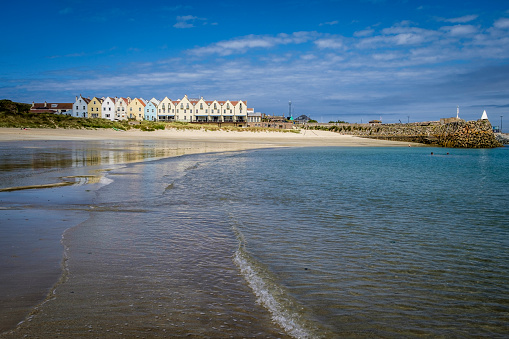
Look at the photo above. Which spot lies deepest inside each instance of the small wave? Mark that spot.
(268, 293)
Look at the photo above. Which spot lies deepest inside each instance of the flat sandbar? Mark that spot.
(243, 139)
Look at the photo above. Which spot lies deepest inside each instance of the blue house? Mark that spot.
(150, 113)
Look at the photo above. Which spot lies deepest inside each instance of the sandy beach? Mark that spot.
(243, 140)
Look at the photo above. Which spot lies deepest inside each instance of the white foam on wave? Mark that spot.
(265, 292)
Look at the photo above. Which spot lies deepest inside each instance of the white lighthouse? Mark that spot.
(484, 116)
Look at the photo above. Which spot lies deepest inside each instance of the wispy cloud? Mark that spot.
(330, 43)
(460, 30)
(188, 21)
(330, 23)
(502, 23)
(246, 43)
(459, 20)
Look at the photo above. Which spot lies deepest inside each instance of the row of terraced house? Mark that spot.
(185, 109)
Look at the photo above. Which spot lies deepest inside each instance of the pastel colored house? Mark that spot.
(121, 108)
(108, 108)
(95, 107)
(81, 107)
(136, 109)
(184, 110)
(166, 110)
(151, 110)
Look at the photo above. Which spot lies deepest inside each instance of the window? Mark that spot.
(109, 108)
(187, 106)
(83, 107)
(201, 106)
(104, 108)
(182, 106)
(139, 109)
(76, 107)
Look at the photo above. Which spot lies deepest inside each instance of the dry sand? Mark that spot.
(242, 140)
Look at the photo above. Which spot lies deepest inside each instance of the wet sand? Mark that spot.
(160, 144)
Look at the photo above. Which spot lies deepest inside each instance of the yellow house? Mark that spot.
(136, 109)
(95, 107)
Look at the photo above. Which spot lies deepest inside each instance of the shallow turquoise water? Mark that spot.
(380, 242)
(315, 242)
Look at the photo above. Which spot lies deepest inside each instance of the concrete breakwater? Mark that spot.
(446, 133)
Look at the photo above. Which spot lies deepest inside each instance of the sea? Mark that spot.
(322, 242)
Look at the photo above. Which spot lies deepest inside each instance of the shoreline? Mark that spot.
(185, 141)
(245, 140)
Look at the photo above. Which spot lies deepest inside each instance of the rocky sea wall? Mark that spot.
(456, 133)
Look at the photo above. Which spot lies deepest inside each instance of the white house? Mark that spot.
(121, 108)
(108, 108)
(80, 107)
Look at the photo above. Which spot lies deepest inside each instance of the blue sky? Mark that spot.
(334, 59)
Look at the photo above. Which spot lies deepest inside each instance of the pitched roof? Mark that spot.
(52, 105)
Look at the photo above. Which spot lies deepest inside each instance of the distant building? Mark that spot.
(151, 110)
(302, 119)
(95, 107)
(108, 108)
(121, 108)
(253, 119)
(136, 109)
(81, 107)
(52, 107)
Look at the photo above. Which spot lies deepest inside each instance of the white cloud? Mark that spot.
(243, 44)
(330, 23)
(364, 32)
(330, 43)
(187, 21)
(460, 30)
(460, 20)
(502, 23)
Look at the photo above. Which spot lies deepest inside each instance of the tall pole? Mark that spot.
(501, 124)
(289, 109)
